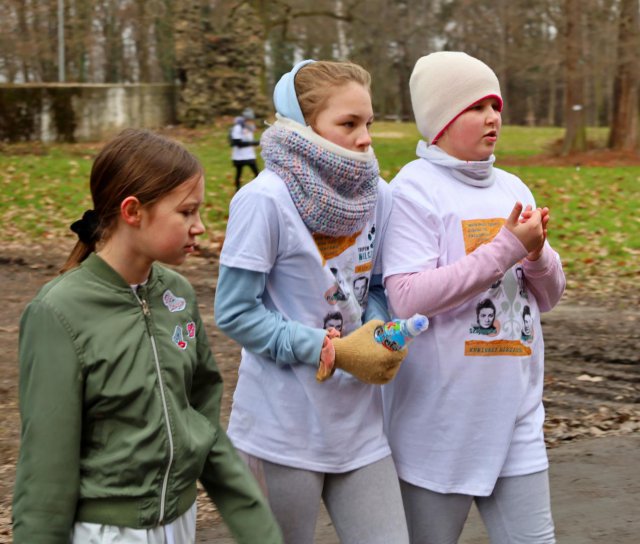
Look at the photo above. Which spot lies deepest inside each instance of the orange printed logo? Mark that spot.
(479, 348)
(479, 231)
(332, 246)
(364, 267)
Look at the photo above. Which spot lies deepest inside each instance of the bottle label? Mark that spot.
(390, 336)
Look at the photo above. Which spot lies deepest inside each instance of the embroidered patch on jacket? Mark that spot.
(191, 329)
(178, 339)
(172, 302)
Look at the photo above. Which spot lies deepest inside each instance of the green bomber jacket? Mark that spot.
(120, 405)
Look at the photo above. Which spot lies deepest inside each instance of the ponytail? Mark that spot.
(88, 231)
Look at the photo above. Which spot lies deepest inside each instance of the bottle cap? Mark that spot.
(417, 324)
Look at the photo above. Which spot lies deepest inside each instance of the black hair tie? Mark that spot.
(87, 227)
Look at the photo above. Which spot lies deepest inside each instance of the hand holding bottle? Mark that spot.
(394, 335)
(362, 356)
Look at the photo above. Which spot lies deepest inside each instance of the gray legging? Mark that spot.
(517, 512)
(365, 504)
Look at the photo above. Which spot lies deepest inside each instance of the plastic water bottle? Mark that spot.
(394, 335)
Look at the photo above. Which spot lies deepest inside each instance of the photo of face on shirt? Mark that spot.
(486, 322)
(333, 320)
(360, 289)
(527, 325)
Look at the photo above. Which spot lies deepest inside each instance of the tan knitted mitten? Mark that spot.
(361, 356)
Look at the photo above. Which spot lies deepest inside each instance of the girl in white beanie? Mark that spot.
(464, 415)
(300, 238)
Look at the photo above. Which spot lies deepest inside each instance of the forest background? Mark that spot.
(570, 63)
(564, 65)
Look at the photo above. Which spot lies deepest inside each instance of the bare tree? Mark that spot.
(304, 28)
(624, 122)
(388, 39)
(42, 34)
(571, 62)
(575, 138)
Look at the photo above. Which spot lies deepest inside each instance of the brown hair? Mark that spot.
(136, 163)
(315, 81)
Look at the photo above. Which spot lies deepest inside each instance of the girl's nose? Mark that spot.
(198, 227)
(364, 140)
(492, 115)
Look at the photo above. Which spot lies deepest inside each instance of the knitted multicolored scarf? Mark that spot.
(333, 189)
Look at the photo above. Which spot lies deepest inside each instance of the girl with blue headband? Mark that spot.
(307, 412)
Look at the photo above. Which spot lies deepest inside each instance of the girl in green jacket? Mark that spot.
(119, 391)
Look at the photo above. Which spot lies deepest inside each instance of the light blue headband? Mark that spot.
(285, 99)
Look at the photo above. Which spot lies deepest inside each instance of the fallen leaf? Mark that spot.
(587, 378)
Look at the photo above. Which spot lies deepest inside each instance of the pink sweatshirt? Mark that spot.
(437, 290)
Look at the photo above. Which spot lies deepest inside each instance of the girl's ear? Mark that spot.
(130, 209)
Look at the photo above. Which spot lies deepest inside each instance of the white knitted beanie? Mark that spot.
(444, 85)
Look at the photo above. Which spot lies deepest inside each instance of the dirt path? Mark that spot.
(594, 497)
(592, 390)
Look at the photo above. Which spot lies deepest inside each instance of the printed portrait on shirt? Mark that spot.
(333, 319)
(360, 289)
(521, 284)
(486, 322)
(527, 325)
(502, 318)
(348, 262)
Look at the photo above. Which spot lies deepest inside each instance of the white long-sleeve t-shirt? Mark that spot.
(280, 412)
(466, 406)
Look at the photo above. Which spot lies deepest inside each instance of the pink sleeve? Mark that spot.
(437, 290)
(545, 278)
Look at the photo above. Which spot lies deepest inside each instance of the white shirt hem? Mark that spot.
(306, 464)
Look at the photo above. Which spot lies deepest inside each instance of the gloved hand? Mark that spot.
(361, 356)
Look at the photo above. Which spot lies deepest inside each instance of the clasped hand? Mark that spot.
(530, 227)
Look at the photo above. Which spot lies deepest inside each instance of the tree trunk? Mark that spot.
(112, 35)
(341, 30)
(575, 138)
(142, 41)
(551, 104)
(404, 65)
(78, 46)
(24, 37)
(624, 123)
(163, 30)
(219, 61)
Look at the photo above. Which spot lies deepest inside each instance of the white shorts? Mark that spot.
(180, 531)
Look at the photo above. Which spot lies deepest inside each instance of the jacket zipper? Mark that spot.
(165, 482)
